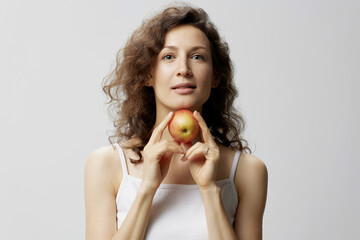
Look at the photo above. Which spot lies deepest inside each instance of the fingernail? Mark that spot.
(196, 114)
(183, 158)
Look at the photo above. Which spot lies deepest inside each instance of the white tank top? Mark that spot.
(177, 210)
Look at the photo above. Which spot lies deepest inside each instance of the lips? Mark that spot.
(184, 88)
(184, 85)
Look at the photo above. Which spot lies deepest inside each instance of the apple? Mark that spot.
(183, 126)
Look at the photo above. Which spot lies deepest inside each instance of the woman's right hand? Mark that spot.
(157, 155)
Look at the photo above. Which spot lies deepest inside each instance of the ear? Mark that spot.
(148, 81)
(216, 81)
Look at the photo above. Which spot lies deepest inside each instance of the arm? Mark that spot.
(135, 223)
(100, 194)
(217, 222)
(203, 160)
(251, 185)
(100, 191)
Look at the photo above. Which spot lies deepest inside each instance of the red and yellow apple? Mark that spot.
(183, 126)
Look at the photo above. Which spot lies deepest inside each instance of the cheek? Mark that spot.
(162, 73)
(206, 75)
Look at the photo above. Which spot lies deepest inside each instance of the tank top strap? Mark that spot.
(234, 165)
(122, 159)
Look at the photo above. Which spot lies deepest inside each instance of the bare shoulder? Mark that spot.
(251, 184)
(251, 173)
(103, 165)
(100, 181)
(251, 161)
(102, 157)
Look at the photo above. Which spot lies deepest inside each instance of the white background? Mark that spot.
(297, 69)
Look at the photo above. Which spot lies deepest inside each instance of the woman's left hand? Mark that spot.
(203, 157)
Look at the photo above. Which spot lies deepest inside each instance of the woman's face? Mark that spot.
(183, 73)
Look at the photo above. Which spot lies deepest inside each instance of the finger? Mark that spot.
(157, 132)
(205, 131)
(199, 153)
(196, 151)
(167, 146)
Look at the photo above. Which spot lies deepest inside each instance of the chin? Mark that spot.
(190, 105)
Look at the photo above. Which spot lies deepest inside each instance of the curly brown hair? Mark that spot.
(132, 104)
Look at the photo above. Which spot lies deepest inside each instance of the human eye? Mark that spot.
(198, 57)
(168, 57)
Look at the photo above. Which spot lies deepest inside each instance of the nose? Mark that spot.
(184, 69)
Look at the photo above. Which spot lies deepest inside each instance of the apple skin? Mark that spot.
(183, 126)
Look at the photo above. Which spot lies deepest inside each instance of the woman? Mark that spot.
(151, 187)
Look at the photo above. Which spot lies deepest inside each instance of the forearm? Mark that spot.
(218, 224)
(134, 225)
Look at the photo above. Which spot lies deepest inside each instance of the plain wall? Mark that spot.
(297, 70)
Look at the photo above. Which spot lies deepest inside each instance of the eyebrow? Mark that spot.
(192, 49)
